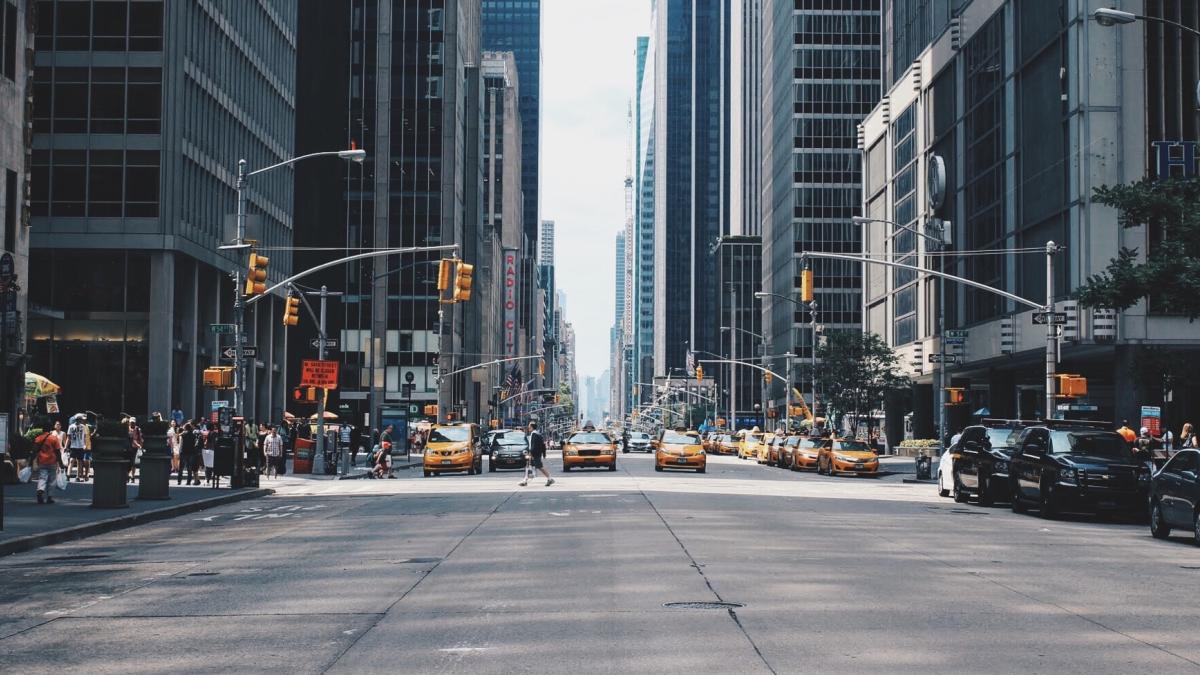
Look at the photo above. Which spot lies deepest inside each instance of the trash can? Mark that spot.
(924, 466)
(110, 469)
(155, 470)
(302, 461)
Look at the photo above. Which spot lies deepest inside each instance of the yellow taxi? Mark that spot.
(805, 452)
(452, 447)
(748, 445)
(679, 449)
(763, 454)
(589, 448)
(844, 455)
(726, 445)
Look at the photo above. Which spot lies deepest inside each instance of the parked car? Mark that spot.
(1077, 469)
(1175, 496)
(775, 449)
(806, 453)
(979, 464)
(763, 452)
(845, 455)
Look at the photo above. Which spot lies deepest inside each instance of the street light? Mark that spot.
(1108, 16)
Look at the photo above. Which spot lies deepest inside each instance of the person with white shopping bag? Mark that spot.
(47, 460)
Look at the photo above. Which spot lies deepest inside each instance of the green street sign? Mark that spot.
(223, 328)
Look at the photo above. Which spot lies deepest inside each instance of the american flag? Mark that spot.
(513, 384)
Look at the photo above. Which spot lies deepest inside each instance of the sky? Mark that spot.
(587, 85)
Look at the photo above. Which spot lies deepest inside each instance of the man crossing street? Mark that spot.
(537, 452)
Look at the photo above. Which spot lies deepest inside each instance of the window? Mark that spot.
(72, 25)
(108, 26)
(10, 40)
(433, 87)
(105, 175)
(11, 199)
(145, 25)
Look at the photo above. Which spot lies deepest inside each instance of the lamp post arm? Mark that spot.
(764, 294)
(489, 363)
(967, 282)
(1168, 22)
(748, 365)
(286, 162)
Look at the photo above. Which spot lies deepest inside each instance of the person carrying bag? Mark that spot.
(47, 460)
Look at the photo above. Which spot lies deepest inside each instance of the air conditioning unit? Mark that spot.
(1104, 325)
(1008, 335)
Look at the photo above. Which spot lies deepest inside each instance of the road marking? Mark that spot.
(462, 650)
(556, 513)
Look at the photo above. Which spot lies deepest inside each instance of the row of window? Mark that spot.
(95, 183)
(97, 100)
(104, 25)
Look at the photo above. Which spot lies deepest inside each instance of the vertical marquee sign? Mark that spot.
(510, 301)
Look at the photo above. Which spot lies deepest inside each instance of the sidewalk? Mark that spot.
(29, 525)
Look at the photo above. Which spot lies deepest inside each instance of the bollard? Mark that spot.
(155, 470)
(109, 470)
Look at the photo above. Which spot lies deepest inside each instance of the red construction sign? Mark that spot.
(323, 374)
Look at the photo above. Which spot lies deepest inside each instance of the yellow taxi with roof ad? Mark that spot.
(748, 444)
(589, 448)
(845, 455)
(451, 448)
(679, 450)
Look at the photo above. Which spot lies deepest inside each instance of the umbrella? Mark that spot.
(288, 417)
(328, 416)
(37, 386)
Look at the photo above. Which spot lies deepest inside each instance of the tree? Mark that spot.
(1170, 273)
(856, 371)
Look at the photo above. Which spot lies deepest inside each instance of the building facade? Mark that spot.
(642, 344)
(16, 152)
(821, 73)
(141, 113)
(1011, 97)
(740, 276)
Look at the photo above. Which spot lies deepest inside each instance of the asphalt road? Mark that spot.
(474, 574)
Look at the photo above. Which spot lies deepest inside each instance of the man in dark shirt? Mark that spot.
(537, 452)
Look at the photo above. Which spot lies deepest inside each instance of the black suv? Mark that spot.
(981, 460)
(1076, 468)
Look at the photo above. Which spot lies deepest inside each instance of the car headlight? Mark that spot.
(1068, 476)
(849, 460)
(571, 453)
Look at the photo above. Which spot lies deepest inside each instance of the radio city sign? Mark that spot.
(510, 301)
(1175, 158)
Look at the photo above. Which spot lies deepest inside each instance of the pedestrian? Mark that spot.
(273, 448)
(47, 459)
(537, 452)
(133, 449)
(344, 440)
(189, 454)
(1167, 438)
(173, 438)
(385, 449)
(1127, 433)
(78, 436)
(1187, 437)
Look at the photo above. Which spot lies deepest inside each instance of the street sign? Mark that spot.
(955, 341)
(323, 374)
(223, 328)
(956, 334)
(217, 405)
(943, 358)
(1052, 318)
(248, 352)
(329, 343)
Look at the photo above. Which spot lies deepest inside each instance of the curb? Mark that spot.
(921, 481)
(395, 467)
(21, 544)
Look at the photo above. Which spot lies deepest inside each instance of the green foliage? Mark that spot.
(856, 371)
(1170, 273)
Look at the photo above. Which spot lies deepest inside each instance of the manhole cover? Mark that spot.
(702, 605)
(81, 556)
(418, 560)
(203, 574)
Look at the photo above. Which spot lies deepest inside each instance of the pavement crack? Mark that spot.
(424, 575)
(708, 582)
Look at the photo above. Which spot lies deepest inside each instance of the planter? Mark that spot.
(155, 470)
(109, 470)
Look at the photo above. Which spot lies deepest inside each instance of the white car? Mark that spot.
(639, 442)
(945, 469)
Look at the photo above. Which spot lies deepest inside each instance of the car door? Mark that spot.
(1028, 461)
(1176, 488)
(966, 457)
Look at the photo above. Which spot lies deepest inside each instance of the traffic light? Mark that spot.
(699, 373)
(443, 281)
(462, 282)
(256, 275)
(542, 367)
(291, 311)
(431, 410)
(304, 394)
(806, 285)
(1072, 386)
(767, 377)
(218, 377)
(955, 396)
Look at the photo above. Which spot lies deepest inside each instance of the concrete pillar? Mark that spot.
(190, 317)
(1128, 393)
(161, 341)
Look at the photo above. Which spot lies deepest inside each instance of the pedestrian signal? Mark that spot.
(699, 373)
(956, 396)
(256, 275)
(431, 410)
(304, 394)
(463, 278)
(218, 377)
(542, 367)
(767, 377)
(291, 311)
(1072, 386)
(443, 281)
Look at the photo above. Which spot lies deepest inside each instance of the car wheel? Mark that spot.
(612, 467)
(985, 492)
(625, 452)
(960, 495)
(566, 468)
(1196, 526)
(700, 470)
(428, 473)
(1014, 501)
(491, 466)
(1159, 528)
(1049, 505)
(942, 492)
(657, 467)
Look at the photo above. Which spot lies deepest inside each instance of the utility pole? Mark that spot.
(1051, 329)
(732, 358)
(812, 323)
(319, 461)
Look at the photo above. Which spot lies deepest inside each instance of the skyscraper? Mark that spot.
(141, 113)
(821, 78)
(643, 254)
(15, 153)
(546, 243)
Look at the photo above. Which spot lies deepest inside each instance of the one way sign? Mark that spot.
(1052, 318)
(249, 352)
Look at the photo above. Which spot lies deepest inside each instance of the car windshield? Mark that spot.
(809, 444)
(853, 446)
(752, 438)
(676, 438)
(1096, 443)
(1003, 438)
(512, 438)
(449, 435)
(588, 437)
(640, 437)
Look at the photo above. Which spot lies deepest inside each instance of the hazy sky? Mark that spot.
(587, 84)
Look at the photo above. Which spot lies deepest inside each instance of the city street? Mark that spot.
(475, 574)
